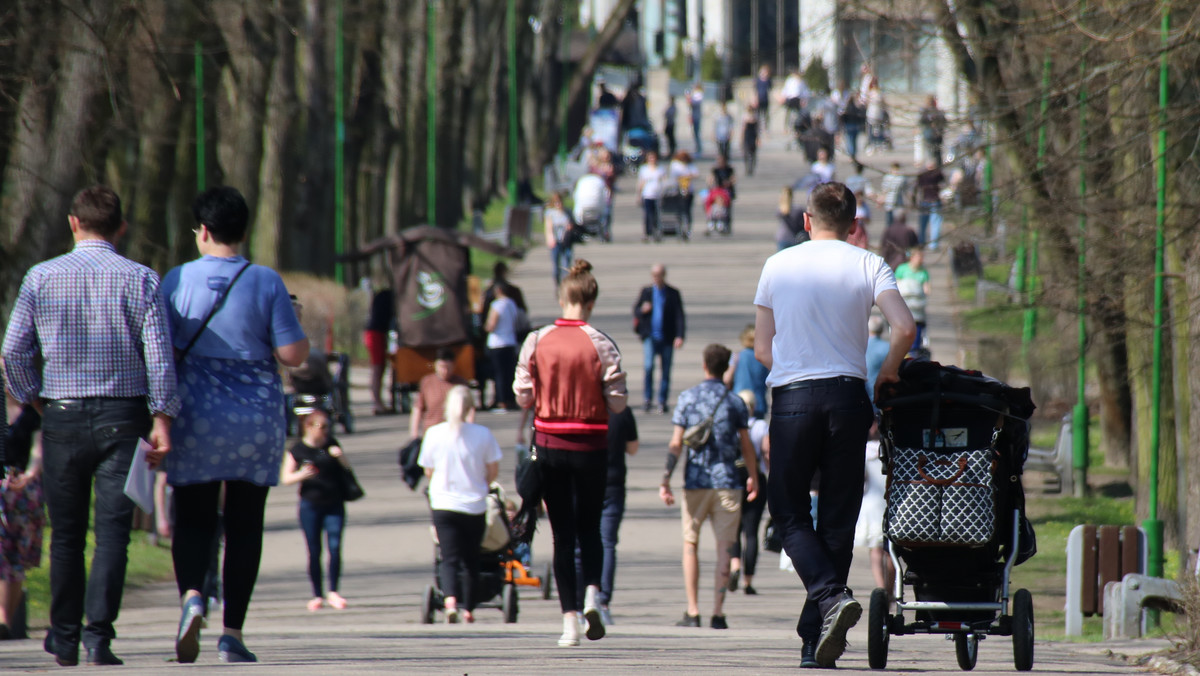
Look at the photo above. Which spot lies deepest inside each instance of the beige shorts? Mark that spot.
(722, 505)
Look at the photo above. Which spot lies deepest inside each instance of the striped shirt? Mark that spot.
(97, 324)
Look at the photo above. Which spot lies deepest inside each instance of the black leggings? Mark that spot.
(575, 483)
(752, 513)
(459, 535)
(195, 527)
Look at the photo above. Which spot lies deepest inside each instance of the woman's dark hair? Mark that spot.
(832, 206)
(579, 286)
(98, 209)
(446, 354)
(224, 212)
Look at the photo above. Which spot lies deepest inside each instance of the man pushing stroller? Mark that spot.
(820, 410)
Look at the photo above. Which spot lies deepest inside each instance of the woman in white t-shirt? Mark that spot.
(501, 327)
(651, 179)
(461, 460)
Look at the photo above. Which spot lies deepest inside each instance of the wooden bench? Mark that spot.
(1096, 556)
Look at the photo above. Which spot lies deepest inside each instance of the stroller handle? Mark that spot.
(981, 400)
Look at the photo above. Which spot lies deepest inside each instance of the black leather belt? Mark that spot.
(819, 382)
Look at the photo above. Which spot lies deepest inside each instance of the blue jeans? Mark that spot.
(561, 258)
(664, 350)
(820, 427)
(331, 519)
(610, 524)
(88, 445)
(851, 132)
(930, 223)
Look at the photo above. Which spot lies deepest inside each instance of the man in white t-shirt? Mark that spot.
(651, 178)
(813, 302)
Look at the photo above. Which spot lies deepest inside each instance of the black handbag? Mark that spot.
(772, 540)
(531, 488)
(351, 489)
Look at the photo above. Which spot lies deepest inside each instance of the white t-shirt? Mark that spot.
(821, 293)
(459, 462)
(653, 181)
(505, 333)
(591, 192)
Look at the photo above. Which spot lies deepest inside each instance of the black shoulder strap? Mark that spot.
(212, 311)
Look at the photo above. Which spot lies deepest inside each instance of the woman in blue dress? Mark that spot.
(230, 433)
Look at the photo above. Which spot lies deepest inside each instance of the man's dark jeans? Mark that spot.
(820, 426)
(86, 439)
(665, 350)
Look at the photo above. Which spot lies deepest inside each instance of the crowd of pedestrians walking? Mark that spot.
(200, 351)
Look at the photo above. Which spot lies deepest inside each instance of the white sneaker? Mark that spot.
(591, 613)
(606, 617)
(570, 635)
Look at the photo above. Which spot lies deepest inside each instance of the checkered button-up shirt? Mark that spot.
(99, 326)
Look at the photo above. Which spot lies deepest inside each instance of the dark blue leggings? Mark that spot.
(330, 518)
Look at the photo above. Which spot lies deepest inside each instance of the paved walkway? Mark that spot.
(388, 552)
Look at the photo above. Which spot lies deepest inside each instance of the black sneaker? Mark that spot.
(689, 621)
(718, 622)
(838, 620)
(808, 656)
(734, 578)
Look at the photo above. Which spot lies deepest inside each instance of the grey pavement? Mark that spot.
(388, 551)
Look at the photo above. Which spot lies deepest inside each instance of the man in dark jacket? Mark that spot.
(659, 322)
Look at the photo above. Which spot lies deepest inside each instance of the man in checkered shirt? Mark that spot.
(88, 344)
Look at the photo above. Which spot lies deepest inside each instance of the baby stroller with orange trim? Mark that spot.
(500, 570)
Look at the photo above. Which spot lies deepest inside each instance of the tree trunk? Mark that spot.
(277, 169)
(247, 29)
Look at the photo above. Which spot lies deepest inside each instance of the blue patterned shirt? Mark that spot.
(714, 465)
(97, 323)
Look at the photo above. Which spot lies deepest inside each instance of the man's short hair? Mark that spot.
(832, 206)
(224, 212)
(98, 209)
(446, 354)
(716, 359)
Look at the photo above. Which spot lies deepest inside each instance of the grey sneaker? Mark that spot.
(838, 620)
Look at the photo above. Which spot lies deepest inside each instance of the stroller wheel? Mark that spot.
(547, 581)
(508, 603)
(1022, 628)
(966, 649)
(428, 604)
(877, 629)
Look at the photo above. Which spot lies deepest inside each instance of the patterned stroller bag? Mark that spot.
(953, 456)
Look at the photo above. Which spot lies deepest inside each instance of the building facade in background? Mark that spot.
(900, 43)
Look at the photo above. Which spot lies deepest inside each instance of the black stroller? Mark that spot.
(494, 581)
(674, 215)
(954, 444)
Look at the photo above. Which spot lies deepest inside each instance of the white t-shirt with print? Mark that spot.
(653, 181)
(821, 293)
(459, 461)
